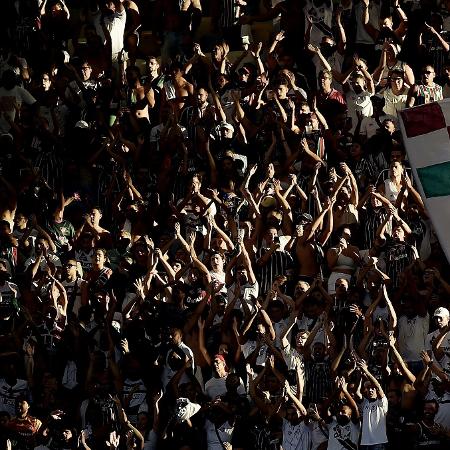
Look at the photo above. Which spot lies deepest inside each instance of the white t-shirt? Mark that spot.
(216, 386)
(412, 335)
(115, 24)
(168, 373)
(225, 432)
(339, 433)
(445, 361)
(43, 264)
(362, 36)
(358, 102)
(9, 293)
(322, 16)
(443, 414)
(247, 291)
(394, 103)
(295, 437)
(8, 98)
(249, 347)
(10, 394)
(374, 421)
(369, 125)
(70, 286)
(318, 435)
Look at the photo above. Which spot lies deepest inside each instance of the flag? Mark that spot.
(426, 135)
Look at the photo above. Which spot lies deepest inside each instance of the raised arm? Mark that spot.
(365, 370)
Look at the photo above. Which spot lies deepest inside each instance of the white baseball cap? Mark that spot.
(441, 312)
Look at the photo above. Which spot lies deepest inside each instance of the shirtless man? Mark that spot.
(177, 17)
(8, 201)
(308, 249)
(177, 90)
(142, 97)
(92, 224)
(132, 26)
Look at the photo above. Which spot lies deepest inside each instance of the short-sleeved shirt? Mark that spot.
(374, 421)
(8, 98)
(339, 434)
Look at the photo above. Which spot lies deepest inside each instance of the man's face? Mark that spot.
(282, 91)
(327, 47)
(341, 286)
(301, 288)
(325, 81)
(319, 351)
(71, 268)
(441, 321)
(292, 416)
(276, 314)
(393, 398)
(67, 434)
(226, 133)
(176, 336)
(358, 84)
(5, 230)
(242, 276)
(221, 81)
(202, 96)
(95, 216)
(86, 71)
(99, 257)
(46, 81)
(396, 156)
(271, 235)
(428, 74)
(300, 339)
(153, 65)
(429, 411)
(23, 407)
(397, 81)
(219, 365)
(41, 245)
(370, 391)
(216, 260)
(20, 221)
(131, 77)
(111, 7)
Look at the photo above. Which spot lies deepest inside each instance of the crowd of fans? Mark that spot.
(219, 245)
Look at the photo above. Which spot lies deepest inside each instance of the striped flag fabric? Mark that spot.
(426, 135)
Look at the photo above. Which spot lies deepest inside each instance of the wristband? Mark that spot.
(430, 363)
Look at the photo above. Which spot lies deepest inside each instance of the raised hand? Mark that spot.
(425, 357)
(252, 169)
(139, 287)
(280, 36)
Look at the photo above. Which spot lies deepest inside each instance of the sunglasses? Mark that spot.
(427, 72)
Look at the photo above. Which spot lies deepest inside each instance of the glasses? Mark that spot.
(71, 265)
(427, 72)
(396, 79)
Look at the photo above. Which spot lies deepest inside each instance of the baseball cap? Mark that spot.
(82, 124)
(268, 201)
(185, 409)
(305, 218)
(441, 312)
(227, 125)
